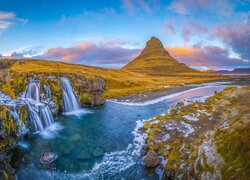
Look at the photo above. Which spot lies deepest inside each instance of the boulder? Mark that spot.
(151, 160)
(48, 157)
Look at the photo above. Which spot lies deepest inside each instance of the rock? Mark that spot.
(151, 160)
(144, 150)
(168, 174)
(84, 156)
(98, 152)
(48, 157)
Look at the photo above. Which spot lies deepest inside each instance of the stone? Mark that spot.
(84, 156)
(48, 157)
(151, 160)
(168, 174)
(144, 150)
(98, 152)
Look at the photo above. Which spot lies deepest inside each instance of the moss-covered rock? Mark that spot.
(10, 129)
(204, 139)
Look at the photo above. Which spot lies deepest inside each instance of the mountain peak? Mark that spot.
(154, 47)
(155, 60)
(154, 41)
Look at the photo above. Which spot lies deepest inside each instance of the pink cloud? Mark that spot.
(6, 15)
(221, 7)
(9, 18)
(147, 6)
(206, 56)
(128, 5)
(168, 28)
(236, 36)
(193, 29)
(106, 52)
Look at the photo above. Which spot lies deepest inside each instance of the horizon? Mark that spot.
(111, 34)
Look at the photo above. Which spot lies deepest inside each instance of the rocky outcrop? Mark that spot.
(89, 90)
(204, 140)
(11, 121)
(151, 160)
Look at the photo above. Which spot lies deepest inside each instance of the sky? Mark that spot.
(204, 34)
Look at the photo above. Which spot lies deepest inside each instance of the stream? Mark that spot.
(97, 143)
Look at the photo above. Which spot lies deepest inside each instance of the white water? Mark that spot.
(33, 92)
(70, 101)
(39, 113)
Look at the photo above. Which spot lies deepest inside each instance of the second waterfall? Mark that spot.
(70, 101)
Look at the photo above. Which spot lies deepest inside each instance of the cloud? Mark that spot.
(209, 56)
(193, 29)
(23, 52)
(148, 6)
(6, 15)
(236, 36)
(9, 18)
(168, 28)
(184, 7)
(99, 53)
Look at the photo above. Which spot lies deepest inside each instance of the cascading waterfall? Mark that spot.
(33, 92)
(39, 112)
(70, 101)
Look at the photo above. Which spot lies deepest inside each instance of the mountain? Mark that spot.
(155, 60)
(235, 71)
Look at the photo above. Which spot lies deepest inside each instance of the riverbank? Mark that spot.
(207, 139)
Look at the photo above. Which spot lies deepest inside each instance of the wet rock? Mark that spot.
(98, 152)
(75, 137)
(151, 160)
(9, 169)
(144, 150)
(48, 157)
(84, 156)
(168, 174)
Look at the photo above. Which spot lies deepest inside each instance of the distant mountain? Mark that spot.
(235, 71)
(155, 60)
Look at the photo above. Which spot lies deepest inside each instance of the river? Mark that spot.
(97, 143)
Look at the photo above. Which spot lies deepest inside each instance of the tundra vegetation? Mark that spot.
(204, 139)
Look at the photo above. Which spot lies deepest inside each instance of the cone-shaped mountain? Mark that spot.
(155, 60)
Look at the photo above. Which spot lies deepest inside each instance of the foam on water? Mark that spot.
(51, 131)
(78, 112)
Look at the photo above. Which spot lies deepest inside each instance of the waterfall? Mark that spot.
(39, 113)
(70, 101)
(33, 92)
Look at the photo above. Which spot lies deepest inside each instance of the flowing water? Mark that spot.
(70, 101)
(39, 112)
(99, 144)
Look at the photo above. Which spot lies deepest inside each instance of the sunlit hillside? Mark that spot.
(119, 82)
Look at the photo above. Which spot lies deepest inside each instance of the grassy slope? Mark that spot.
(119, 82)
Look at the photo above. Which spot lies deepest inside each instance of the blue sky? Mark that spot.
(201, 33)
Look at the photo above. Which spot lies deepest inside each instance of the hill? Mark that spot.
(155, 60)
(234, 71)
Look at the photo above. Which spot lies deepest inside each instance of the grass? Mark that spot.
(119, 82)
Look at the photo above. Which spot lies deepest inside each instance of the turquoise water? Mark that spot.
(98, 143)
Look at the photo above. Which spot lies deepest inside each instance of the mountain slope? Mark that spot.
(155, 60)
